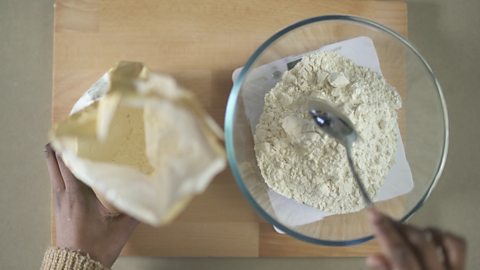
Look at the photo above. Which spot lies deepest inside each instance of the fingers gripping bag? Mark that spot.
(141, 142)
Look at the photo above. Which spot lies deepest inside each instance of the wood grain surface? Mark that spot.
(200, 43)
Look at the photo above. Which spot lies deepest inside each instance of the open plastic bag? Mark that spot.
(141, 143)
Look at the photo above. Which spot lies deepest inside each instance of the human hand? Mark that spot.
(82, 222)
(408, 247)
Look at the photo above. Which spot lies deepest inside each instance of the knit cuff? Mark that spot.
(63, 259)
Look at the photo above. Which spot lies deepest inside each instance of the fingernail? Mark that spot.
(375, 216)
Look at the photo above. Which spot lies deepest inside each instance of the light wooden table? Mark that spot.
(199, 43)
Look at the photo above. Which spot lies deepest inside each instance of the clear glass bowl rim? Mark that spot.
(231, 107)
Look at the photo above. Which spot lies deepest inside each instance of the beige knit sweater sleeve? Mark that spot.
(64, 259)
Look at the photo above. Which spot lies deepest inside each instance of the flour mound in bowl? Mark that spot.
(299, 161)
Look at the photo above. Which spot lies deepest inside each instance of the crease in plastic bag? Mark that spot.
(143, 144)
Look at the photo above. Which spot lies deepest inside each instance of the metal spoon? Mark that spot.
(338, 126)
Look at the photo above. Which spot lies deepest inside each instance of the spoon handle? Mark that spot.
(363, 191)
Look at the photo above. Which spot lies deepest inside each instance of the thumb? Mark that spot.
(54, 172)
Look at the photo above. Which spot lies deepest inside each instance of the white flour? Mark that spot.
(298, 161)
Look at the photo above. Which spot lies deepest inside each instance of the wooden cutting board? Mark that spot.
(200, 43)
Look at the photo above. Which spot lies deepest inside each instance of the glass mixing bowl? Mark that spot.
(422, 122)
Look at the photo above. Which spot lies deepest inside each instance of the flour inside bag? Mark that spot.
(142, 143)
